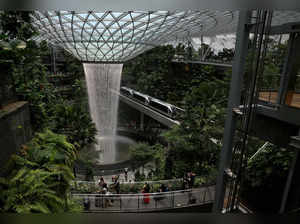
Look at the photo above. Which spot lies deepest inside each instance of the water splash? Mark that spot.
(102, 80)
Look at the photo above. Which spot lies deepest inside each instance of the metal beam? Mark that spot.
(282, 29)
(229, 65)
(242, 38)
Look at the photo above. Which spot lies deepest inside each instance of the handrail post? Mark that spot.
(138, 202)
(173, 199)
(120, 203)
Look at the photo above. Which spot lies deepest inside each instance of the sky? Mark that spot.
(217, 43)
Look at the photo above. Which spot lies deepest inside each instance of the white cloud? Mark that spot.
(217, 43)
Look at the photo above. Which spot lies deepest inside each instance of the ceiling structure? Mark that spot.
(119, 36)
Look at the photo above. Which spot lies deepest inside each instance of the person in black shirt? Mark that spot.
(146, 188)
(126, 174)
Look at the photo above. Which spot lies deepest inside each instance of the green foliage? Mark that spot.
(150, 71)
(16, 25)
(191, 145)
(140, 153)
(271, 164)
(75, 122)
(196, 88)
(28, 191)
(51, 148)
(265, 178)
(48, 108)
(39, 179)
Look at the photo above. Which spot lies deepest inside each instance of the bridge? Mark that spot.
(146, 109)
(225, 64)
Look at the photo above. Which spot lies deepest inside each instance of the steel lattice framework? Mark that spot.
(119, 36)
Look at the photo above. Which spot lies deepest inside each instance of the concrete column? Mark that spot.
(241, 45)
(142, 121)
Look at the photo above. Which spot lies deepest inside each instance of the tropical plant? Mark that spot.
(38, 180)
(29, 191)
(192, 145)
(265, 176)
(75, 122)
(140, 153)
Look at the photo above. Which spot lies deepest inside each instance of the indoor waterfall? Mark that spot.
(102, 80)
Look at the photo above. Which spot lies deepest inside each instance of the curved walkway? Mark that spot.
(95, 183)
(157, 202)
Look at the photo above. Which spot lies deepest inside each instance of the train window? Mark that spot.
(160, 107)
(139, 97)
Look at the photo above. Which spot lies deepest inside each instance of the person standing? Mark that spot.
(184, 182)
(189, 180)
(126, 174)
(193, 176)
(146, 188)
(108, 201)
(145, 191)
(117, 186)
(101, 182)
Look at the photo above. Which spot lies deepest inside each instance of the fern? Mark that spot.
(40, 180)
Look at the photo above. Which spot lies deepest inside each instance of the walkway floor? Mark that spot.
(272, 97)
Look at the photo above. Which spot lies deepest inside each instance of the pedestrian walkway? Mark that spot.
(158, 201)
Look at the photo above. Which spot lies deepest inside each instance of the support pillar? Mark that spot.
(241, 49)
(142, 121)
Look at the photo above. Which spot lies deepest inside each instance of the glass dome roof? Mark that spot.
(119, 36)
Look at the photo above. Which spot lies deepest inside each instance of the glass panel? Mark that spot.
(270, 80)
(293, 95)
(212, 24)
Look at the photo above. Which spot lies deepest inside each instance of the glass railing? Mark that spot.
(135, 187)
(146, 202)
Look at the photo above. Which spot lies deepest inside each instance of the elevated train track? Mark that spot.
(164, 113)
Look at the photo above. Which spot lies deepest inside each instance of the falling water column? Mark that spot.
(103, 81)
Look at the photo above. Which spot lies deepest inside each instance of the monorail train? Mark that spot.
(162, 107)
(156, 104)
(126, 91)
(141, 97)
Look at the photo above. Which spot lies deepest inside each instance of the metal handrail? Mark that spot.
(135, 182)
(136, 194)
(155, 201)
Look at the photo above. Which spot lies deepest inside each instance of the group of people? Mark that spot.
(146, 190)
(107, 190)
(104, 189)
